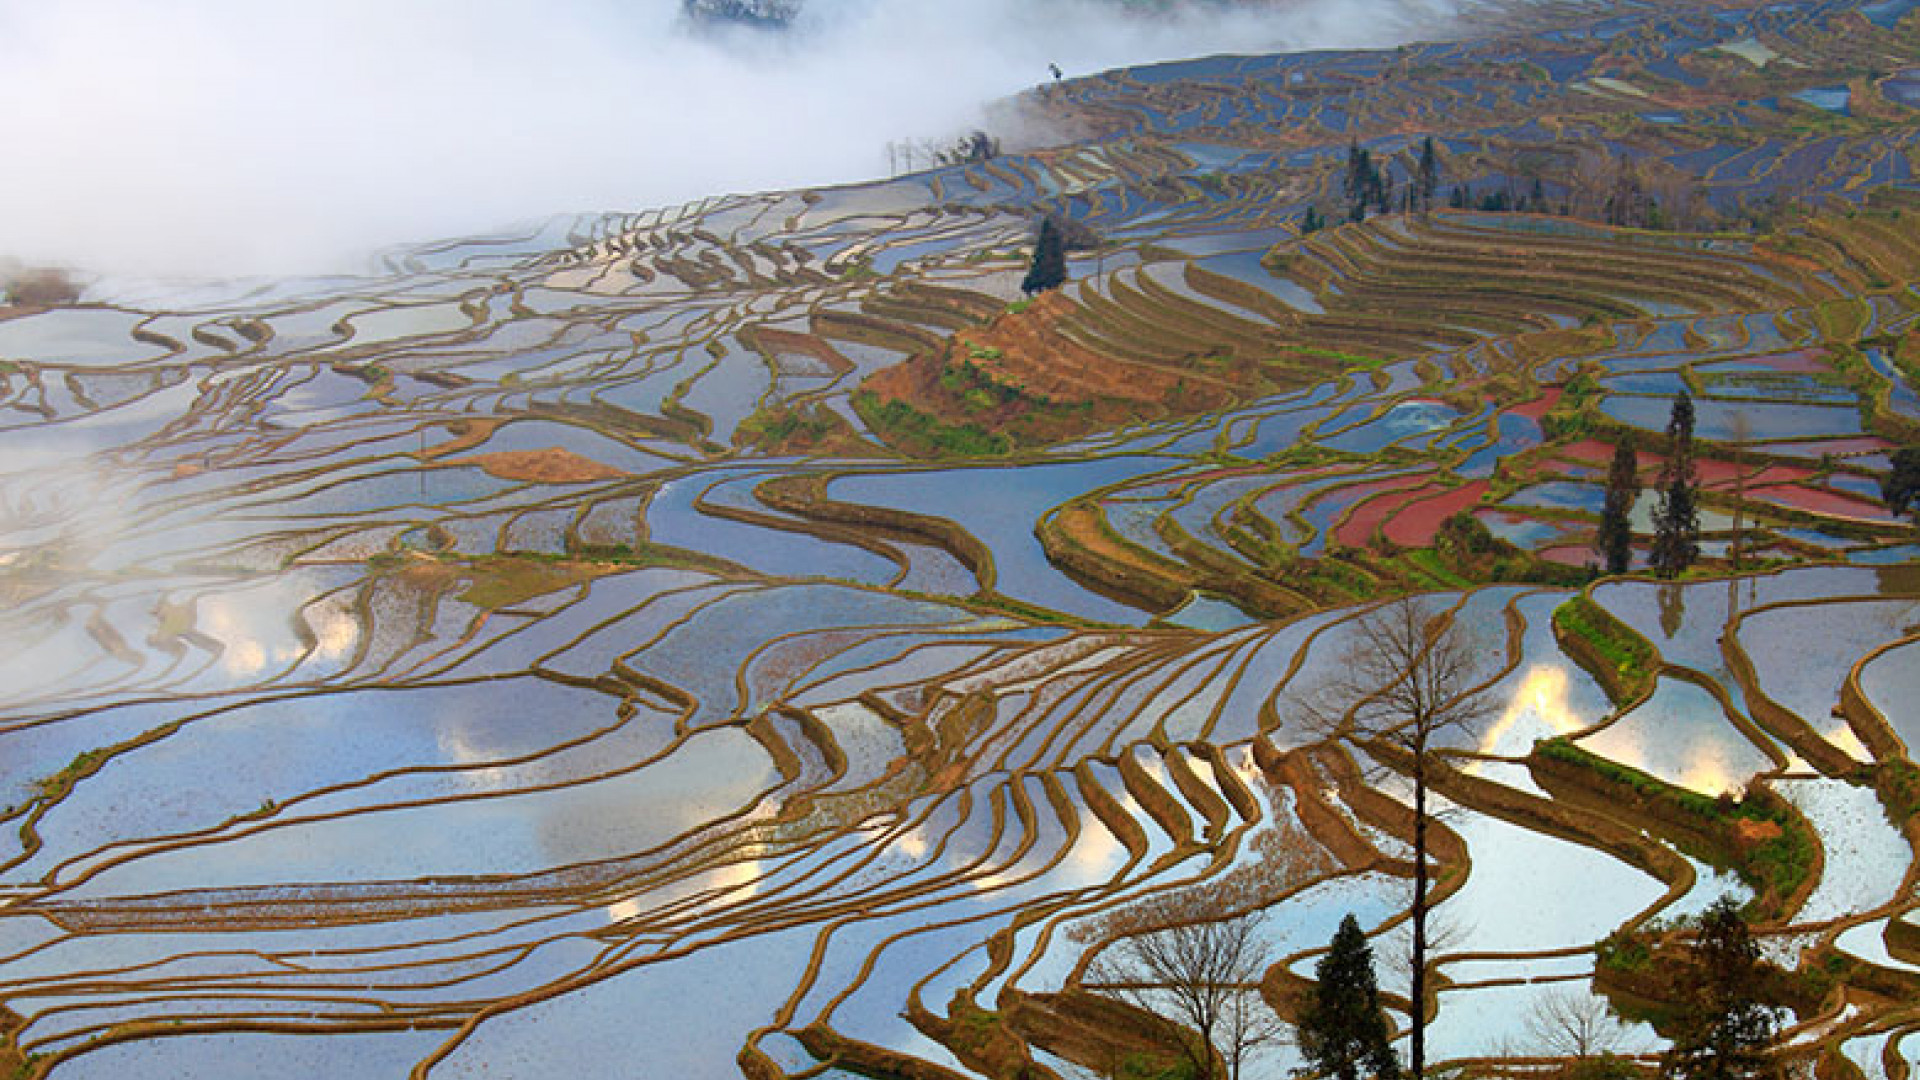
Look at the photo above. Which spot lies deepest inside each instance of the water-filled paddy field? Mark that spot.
(748, 638)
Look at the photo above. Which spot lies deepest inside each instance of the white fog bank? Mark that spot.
(234, 137)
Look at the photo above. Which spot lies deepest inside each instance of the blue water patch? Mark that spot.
(1209, 613)
(1517, 433)
(1403, 421)
(1715, 419)
(1856, 485)
(1530, 533)
(1834, 99)
(1667, 383)
(1903, 399)
(1887, 12)
(1903, 87)
(1562, 495)
(1892, 556)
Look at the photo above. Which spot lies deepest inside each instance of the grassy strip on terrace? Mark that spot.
(1758, 837)
(1898, 784)
(1624, 662)
(924, 434)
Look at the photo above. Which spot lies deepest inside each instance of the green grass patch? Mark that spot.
(923, 434)
(1775, 867)
(83, 764)
(1633, 658)
(1898, 785)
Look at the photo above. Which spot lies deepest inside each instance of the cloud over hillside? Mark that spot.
(222, 137)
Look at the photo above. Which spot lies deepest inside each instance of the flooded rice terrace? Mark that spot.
(561, 653)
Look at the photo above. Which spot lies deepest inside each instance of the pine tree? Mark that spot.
(1362, 180)
(1722, 1029)
(1900, 488)
(1343, 1033)
(1049, 270)
(1615, 542)
(1429, 173)
(1676, 518)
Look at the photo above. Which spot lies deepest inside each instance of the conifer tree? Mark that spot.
(1615, 542)
(1722, 1028)
(1900, 488)
(1343, 1033)
(1049, 270)
(1676, 518)
(1429, 173)
(1362, 180)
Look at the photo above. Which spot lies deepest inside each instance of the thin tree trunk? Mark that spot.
(1419, 1011)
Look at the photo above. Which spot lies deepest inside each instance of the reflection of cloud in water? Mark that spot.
(1842, 736)
(1539, 710)
(1708, 774)
(258, 628)
(732, 883)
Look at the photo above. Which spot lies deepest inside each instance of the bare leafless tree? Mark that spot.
(1205, 975)
(1567, 1023)
(1410, 677)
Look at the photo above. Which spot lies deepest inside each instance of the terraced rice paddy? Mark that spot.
(740, 639)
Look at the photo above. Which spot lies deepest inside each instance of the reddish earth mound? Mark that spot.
(1374, 502)
(1415, 523)
(551, 466)
(1832, 504)
(1023, 375)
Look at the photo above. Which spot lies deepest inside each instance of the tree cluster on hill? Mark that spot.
(759, 14)
(1722, 1029)
(1049, 269)
(1366, 185)
(1900, 488)
(39, 287)
(1503, 200)
(906, 155)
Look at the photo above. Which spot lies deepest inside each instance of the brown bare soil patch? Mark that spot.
(1025, 375)
(1748, 833)
(466, 434)
(550, 466)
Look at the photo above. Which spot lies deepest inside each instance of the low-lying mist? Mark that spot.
(221, 138)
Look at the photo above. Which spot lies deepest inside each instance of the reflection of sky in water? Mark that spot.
(1892, 683)
(1539, 708)
(1801, 655)
(1682, 736)
(713, 774)
(1493, 1021)
(1867, 858)
(259, 1056)
(1508, 904)
(679, 1018)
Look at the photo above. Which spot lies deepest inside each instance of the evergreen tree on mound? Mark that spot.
(1049, 270)
(1676, 518)
(1615, 542)
(1722, 1028)
(1343, 1033)
(1900, 488)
